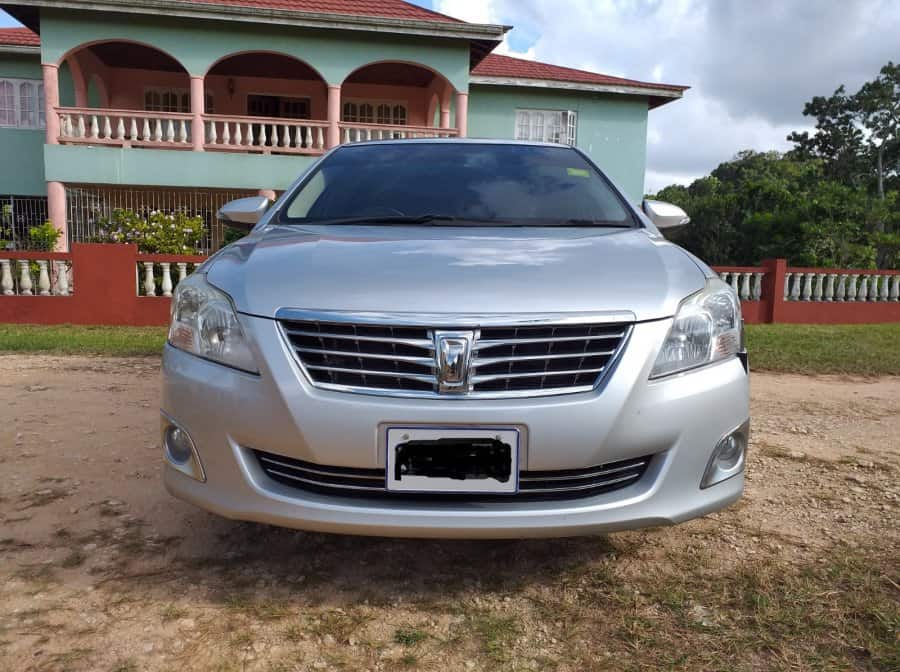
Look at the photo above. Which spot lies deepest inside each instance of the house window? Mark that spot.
(172, 100)
(22, 103)
(366, 112)
(547, 126)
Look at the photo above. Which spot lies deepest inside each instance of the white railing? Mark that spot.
(265, 134)
(158, 275)
(747, 284)
(352, 132)
(35, 274)
(815, 285)
(124, 127)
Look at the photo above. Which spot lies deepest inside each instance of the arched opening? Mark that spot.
(275, 88)
(392, 100)
(123, 75)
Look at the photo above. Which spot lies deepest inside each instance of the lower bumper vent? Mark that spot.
(533, 485)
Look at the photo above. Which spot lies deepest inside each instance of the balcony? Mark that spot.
(131, 95)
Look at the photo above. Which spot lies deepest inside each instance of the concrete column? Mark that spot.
(51, 102)
(198, 107)
(445, 106)
(462, 113)
(334, 116)
(56, 212)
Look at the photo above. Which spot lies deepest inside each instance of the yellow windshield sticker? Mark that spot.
(578, 172)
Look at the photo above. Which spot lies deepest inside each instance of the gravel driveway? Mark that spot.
(101, 570)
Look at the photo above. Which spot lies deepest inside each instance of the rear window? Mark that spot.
(517, 184)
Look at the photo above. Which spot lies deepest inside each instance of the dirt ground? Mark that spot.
(100, 569)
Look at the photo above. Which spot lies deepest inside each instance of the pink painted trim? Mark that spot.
(50, 75)
(140, 114)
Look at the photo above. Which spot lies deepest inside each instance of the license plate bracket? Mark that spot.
(453, 459)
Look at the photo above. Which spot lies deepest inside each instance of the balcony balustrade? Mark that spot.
(124, 128)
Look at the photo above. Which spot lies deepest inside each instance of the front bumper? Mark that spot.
(679, 420)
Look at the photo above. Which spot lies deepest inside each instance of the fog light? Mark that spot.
(178, 444)
(727, 459)
(180, 450)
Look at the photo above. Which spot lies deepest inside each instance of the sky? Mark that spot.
(751, 64)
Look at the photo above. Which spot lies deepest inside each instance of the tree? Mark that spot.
(877, 105)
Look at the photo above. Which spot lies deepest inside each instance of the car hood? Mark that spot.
(441, 270)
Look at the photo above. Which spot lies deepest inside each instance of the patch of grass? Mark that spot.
(408, 636)
(79, 340)
(852, 349)
(496, 635)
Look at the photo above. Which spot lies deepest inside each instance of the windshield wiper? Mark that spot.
(600, 223)
(380, 219)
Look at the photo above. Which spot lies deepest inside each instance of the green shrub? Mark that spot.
(44, 237)
(158, 233)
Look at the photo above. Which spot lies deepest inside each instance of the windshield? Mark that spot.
(465, 183)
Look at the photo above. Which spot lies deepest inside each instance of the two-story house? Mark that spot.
(165, 104)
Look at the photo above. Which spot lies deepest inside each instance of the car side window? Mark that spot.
(307, 197)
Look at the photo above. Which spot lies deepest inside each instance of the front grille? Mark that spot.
(533, 485)
(527, 360)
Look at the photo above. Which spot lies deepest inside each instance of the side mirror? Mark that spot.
(244, 213)
(665, 215)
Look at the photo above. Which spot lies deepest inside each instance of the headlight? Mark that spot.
(707, 328)
(204, 323)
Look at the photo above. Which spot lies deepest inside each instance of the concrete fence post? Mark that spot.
(773, 289)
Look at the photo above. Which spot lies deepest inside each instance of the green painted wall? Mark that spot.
(611, 129)
(168, 168)
(22, 167)
(198, 45)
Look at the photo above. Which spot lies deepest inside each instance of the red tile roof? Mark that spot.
(495, 65)
(19, 37)
(386, 9)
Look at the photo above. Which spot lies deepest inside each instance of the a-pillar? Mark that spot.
(462, 113)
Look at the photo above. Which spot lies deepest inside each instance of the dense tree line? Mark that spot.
(833, 200)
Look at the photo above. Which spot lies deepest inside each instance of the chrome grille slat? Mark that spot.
(350, 481)
(424, 361)
(532, 358)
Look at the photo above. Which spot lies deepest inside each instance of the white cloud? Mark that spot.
(481, 11)
(751, 65)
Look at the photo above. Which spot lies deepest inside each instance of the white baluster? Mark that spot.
(66, 123)
(745, 286)
(238, 138)
(346, 135)
(145, 130)
(262, 135)
(149, 282)
(81, 129)
(895, 288)
(226, 133)
(798, 283)
(829, 287)
(70, 275)
(213, 136)
(757, 286)
(320, 139)
(299, 136)
(158, 130)
(368, 134)
(133, 129)
(182, 132)
(851, 287)
(24, 278)
(841, 294)
(807, 287)
(273, 134)
(43, 278)
(166, 278)
(6, 280)
(95, 127)
(107, 128)
(285, 139)
(250, 137)
(873, 288)
(787, 286)
(62, 278)
(120, 129)
(735, 278)
(170, 131)
(182, 270)
(818, 287)
(885, 293)
(863, 288)
(723, 276)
